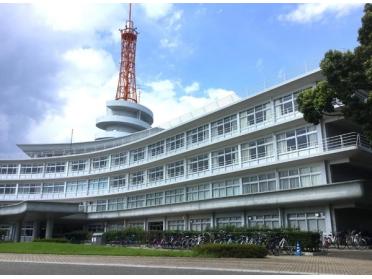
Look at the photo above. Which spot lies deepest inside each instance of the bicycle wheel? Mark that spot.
(362, 244)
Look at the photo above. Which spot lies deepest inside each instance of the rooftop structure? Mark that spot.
(124, 115)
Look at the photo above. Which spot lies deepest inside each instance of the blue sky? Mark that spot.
(59, 62)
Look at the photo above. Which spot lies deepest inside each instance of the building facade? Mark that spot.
(255, 162)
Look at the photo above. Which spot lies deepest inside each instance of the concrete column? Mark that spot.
(187, 222)
(35, 230)
(281, 217)
(17, 231)
(49, 228)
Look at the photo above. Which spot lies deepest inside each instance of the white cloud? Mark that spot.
(193, 87)
(169, 43)
(89, 80)
(169, 107)
(311, 12)
(157, 11)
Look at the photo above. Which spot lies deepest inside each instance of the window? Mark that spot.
(200, 224)
(98, 185)
(176, 225)
(101, 205)
(226, 188)
(257, 149)
(174, 196)
(8, 169)
(137, 155)
(77, 187)
(29, 188)
(119, 159)
(259, 183)
(154, 199)
(198, 192)
(224, 157)
(224, 126)
(255, 115)
(176, 142)
(198, 163)
(78, 165)
(155, 174)
(99, 162)
(270, 221)
(197, 135)
(300, 138)
(8, 189)
(31, 169)
(116, 204)
(308, 221)
(136, 201)
(136, 178)
(156, 149)
(55, 167)
(175, 169)
(299, 177)
(50, 188)
(235, 221)
(117, 183)
(287, 104)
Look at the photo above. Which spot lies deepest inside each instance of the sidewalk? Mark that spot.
(276, 265)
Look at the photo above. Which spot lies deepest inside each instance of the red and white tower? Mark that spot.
(127, 76)
(124, 115)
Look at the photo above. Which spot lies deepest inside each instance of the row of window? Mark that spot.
(225, 188)
(266, 182)
(227, 125)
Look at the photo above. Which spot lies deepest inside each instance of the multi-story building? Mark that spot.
(255, 162)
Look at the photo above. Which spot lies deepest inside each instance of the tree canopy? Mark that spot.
(348, 81)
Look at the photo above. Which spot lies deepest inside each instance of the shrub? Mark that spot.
(126, 236)
(55, 240)
(78, 236)
(231, 250)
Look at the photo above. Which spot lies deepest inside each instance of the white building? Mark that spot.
(256, 162)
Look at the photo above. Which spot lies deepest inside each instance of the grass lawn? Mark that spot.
(81, 249)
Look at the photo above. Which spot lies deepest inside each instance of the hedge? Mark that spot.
(55, 240)
(78, 236)
(126, 236)
(231, 250)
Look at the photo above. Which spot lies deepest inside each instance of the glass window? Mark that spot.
(200, 224)
(226, 188)
(259, 183)
(199, 192)
(198, 163)
(116, 204)
(175, 169)
(119, 159)
(176, 142)
(8, 169)
(255, 115)
(225, 157)
(174, 196)
(136, 201)
(176, 225)
(197, 135)
(297, 139)
(78, 165)
(31, 169)
(156, 149)
(270, 221)
(299, 177)
(57, 187)
(8, 189)
(224, 126)
(235, 221)
(136, 178)
(56, 167)
(155, 199)
(257, 149)
(137, 155)
(29, 188)
(98, 185)
(117, 183)
(155, 174)
(100, 163)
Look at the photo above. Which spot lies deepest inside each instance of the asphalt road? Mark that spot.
(22, 268)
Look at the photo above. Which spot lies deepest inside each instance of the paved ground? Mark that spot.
(336, 262)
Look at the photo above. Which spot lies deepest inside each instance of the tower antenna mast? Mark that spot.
(126, 89)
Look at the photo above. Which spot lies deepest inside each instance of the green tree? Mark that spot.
(348, 81)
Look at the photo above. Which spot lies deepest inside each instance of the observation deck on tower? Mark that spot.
(124, 115)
